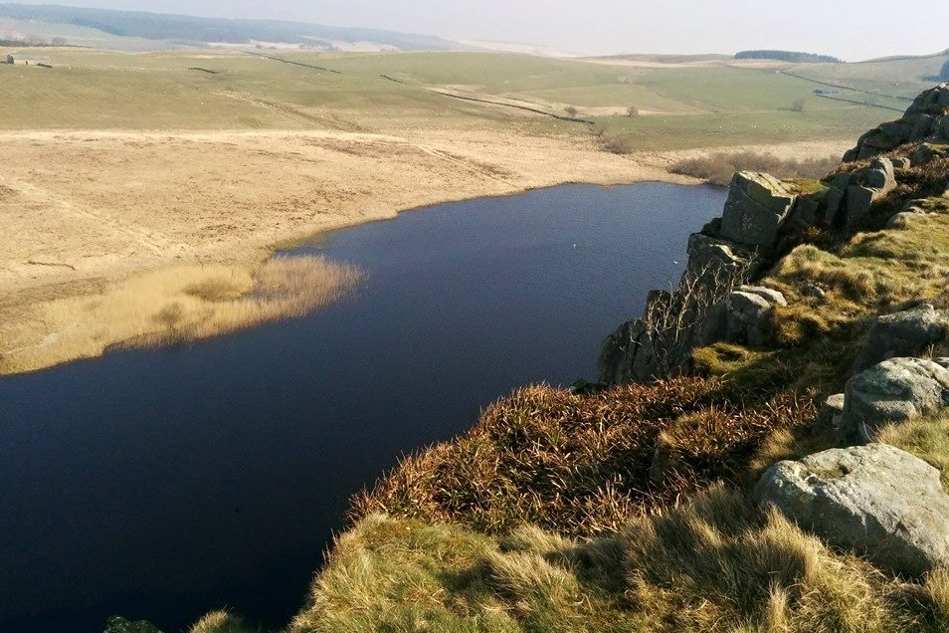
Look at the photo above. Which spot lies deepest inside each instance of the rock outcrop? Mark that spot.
(879, 500)
(764, 218)
(926, 119)
(906, 333)
(851, 195)
(895, 390)
(757, 206)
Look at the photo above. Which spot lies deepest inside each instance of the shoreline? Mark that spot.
(216, 208)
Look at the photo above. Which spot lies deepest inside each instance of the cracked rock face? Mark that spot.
(876, 499)
(895, 390)
(757, 206)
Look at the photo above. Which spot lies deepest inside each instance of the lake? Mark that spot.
(164, 483)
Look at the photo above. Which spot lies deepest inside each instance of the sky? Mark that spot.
(850, 29)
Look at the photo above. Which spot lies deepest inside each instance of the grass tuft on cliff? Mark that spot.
(713, 564)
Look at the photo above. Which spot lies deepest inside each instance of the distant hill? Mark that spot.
(789, 56)
(660, 58)
(182, 28)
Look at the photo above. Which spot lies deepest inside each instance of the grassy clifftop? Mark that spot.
(627, 508)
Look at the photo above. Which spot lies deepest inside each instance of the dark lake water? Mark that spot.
(162, 484)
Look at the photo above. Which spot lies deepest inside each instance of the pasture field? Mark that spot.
(385, 92)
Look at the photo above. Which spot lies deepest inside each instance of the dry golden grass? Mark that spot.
(181, 303)
(927, 438)
(713, 564)
(219, 622)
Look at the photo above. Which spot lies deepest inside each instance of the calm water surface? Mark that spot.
(161, 484)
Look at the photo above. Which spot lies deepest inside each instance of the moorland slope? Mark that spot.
(767, 451)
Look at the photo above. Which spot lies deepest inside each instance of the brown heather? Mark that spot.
(584, 464)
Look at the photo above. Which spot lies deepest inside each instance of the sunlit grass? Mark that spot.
(170, 305)
(714, 564)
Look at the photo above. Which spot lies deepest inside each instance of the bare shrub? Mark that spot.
(719, 168)
(798, 105)
(616, 143)
(632, 111)
(672, 318)
(571, 111)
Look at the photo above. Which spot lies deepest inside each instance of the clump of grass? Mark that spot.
(220, 622)
(718, 441)
(616, 143)
(927, 438)
(712, 564)
(718, 168)
(725, 359)
(181, 303)
(718, 565)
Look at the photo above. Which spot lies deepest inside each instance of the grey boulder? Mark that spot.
(896, 390)
(876, 499)
(757, 206)
(747, 315)
(906, 333)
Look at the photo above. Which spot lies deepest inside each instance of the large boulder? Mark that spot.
(893, 391)
(881, 174)
(883, 502)
(867, 186)
(906, 333)
(747, 315)
(757, 206)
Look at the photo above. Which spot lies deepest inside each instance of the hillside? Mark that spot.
(766, 451)
(190, 29)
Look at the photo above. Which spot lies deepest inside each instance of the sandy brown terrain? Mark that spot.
(94, 221)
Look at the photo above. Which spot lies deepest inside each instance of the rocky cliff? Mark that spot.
(717, 299)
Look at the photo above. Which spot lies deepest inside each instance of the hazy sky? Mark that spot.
(851, 29)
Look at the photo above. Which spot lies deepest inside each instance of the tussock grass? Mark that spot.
(220, 622)
(182, 303)
(718, 168)
(713, 564)
(927, 438)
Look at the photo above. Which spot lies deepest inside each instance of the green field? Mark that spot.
(683, 106)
